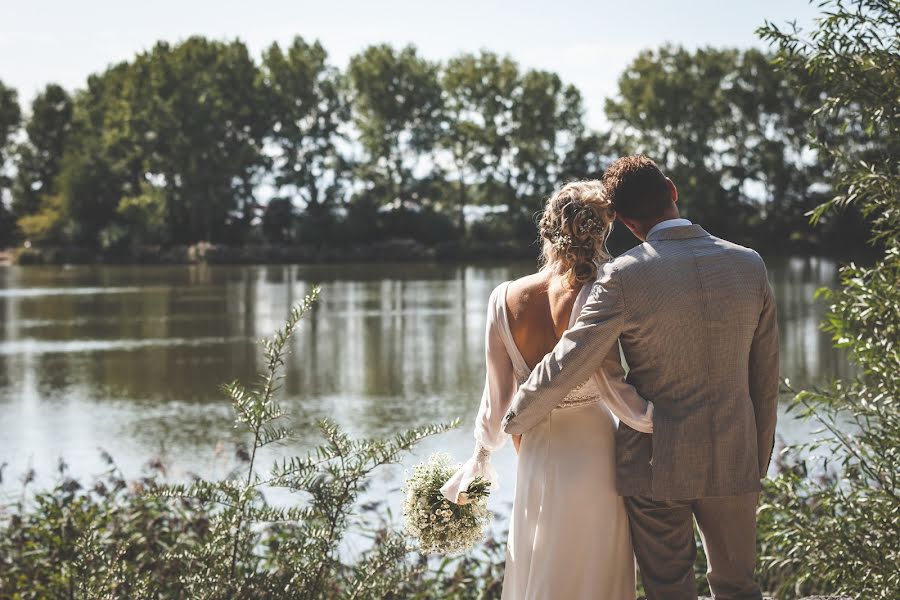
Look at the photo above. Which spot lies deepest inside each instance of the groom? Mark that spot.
(696, 320)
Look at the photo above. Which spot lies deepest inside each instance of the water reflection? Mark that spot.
(130, 358)
(807, 354)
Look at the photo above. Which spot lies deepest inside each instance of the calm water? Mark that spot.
(129, 359)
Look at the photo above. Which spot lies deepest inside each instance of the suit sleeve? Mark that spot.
(764, 380)
(576, 357)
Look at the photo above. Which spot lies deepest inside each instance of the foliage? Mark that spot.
(144, 217)
(476, 575)
(307, 98)
(10, 116)
(110, 538)
(492, 227)
(841, 532)
(185, 119)
(287, 148)
(425, 225)
(39, 158)
(509, 135)
(731, 132)
(279, 221)
(196, 116)
(478, 109)
(548, 126)
(396, 108)
(307, 563)
(47, 224)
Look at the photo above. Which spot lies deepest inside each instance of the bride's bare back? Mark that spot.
(539, 307)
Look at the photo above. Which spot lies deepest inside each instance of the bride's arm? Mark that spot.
(621, 398)
(499, 386)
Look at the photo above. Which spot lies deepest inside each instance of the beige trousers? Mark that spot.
(662, 533)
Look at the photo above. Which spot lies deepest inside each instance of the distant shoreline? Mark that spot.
(394, 250)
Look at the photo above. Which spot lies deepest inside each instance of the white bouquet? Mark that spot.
(440, 526)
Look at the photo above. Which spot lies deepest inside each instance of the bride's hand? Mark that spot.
(517, 441)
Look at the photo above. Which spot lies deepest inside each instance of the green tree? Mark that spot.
(279, 221)
(101, 163)
(397, 104)
(96, 169)
(198, 113)
(47, 223)
(732, 133)
(478, 111)
(841, 532)
(308, 105)
(668, 105)
(40, 157)
(548, 124)
(764, 135)
(511, 135)
(187, 120)
(143, 218)
(588, 156)
(10, 117)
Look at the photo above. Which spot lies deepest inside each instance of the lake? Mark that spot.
(129, 359)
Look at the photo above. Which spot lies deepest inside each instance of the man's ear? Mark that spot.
(673, 191)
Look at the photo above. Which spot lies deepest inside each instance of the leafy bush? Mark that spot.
(46, 225)
(423, 225)
(110, 539)
(840, 531)
(144, 216)
(492, 228)
(278, 220)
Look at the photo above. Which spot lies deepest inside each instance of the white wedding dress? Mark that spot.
(569, 536)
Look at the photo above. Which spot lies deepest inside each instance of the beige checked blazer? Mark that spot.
(697, 322)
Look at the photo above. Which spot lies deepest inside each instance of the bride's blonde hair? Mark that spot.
(574, 227)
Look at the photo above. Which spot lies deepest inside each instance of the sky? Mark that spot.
(587, 43)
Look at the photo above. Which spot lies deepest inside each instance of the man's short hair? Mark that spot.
(637, 188)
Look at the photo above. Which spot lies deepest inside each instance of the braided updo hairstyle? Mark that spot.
(573, 228)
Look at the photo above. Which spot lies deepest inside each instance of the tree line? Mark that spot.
(201, 141)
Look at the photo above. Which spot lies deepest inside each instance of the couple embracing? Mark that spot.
(613, 468)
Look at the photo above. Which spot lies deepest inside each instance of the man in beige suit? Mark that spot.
(696, 320)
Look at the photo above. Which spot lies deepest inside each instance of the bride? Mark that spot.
(569, 535)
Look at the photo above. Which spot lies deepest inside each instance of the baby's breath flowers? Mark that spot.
(440, 526)
(562, 242)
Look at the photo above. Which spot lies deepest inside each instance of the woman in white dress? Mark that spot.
(569, 536)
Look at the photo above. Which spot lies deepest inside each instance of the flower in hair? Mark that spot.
(591, 226)
(561, 242)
